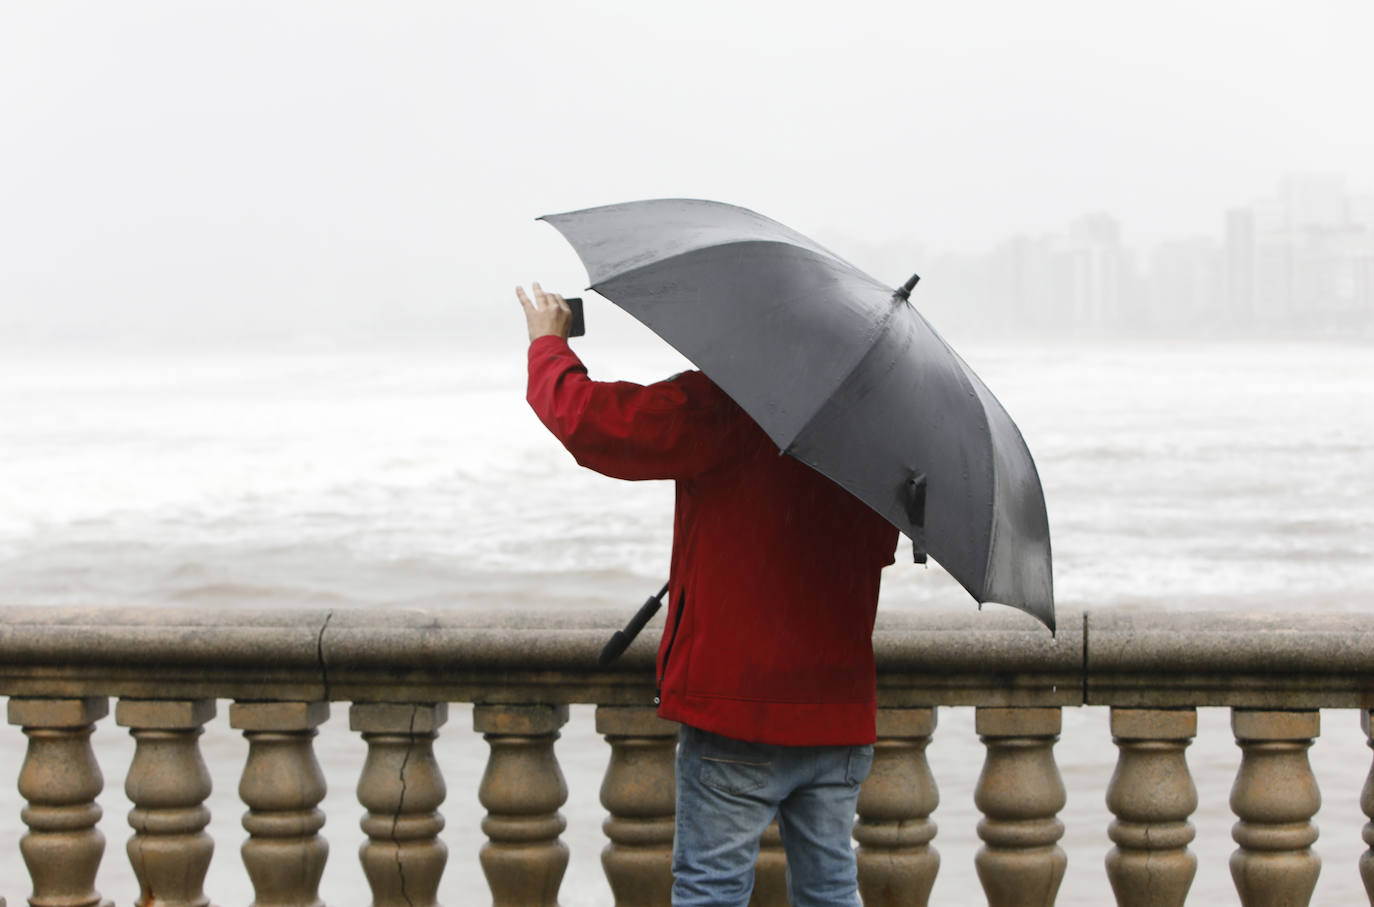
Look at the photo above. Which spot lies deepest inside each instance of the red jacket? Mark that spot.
(775, 569)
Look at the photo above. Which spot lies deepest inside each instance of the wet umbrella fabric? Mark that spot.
(842, 373)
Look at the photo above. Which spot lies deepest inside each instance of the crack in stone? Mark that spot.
(319, 653)
(401, 805)
(1084, 665)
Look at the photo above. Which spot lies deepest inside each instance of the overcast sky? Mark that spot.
(280, 167)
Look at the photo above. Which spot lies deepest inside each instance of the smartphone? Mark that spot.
(579, 326)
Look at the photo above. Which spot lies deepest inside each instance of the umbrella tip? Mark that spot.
(904, 291)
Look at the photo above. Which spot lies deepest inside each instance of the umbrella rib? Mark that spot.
(878, 332)
(964, 372)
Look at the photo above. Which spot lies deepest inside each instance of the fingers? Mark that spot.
(546, 314)
(542, 300)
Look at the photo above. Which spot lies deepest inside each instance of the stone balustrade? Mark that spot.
(276, 672)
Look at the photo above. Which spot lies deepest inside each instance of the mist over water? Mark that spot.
(1176, 476)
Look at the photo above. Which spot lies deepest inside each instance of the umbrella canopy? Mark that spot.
(842, 373)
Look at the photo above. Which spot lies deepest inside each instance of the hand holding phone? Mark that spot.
(546, 317)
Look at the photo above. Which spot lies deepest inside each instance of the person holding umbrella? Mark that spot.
(766, 660)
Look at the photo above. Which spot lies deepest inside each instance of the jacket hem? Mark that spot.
(779, 723)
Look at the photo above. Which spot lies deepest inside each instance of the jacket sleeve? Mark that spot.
(674, 429)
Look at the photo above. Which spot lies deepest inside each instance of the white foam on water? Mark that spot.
(1170, 473)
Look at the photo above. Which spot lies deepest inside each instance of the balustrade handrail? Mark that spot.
(994, 658)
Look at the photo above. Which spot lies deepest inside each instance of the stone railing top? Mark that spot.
(994, 657)
(1291, 660)
(1230, 641)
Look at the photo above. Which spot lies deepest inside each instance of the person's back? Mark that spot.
(767, 656)
(776, 573)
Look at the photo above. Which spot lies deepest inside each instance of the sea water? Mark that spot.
(1177, 477)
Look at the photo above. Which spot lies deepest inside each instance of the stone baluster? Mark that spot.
(770, 870)
(402, 788)
(1367, 805)
(897, 865)
(639, 793)
(1020, 793)
(1151, 794)
(167, 785)
(60, 779)
(522, 788)
(282, 785)
(1275, 797)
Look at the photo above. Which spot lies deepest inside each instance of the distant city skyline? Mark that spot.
(1297, 259)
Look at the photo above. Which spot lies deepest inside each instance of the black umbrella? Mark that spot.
(841, 372)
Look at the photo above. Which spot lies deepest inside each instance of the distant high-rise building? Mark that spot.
(1362, 213)
(1089, 273)
(1312, 201)
(1184, 286)
(1274, 275)
(1019, 279)
(1240, 266)
(1301, 259)
(1360, 258)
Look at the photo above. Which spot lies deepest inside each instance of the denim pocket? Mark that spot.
(735, 766)
(860, 762)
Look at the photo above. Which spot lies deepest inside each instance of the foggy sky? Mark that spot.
(265, 169)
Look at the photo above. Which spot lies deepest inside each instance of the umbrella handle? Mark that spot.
(620, 640)
(915, 500)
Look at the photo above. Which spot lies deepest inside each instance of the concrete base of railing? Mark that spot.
(398, 670)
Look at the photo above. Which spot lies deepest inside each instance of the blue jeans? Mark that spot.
(727, 793)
